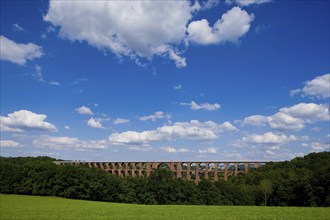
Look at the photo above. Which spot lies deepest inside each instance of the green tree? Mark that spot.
(266, 187)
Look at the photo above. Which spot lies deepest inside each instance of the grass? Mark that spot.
(35, 208)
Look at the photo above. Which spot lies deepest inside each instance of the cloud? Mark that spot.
(155, 116)
(38, 73)
(142, 30)
(17, 27)
(170, 149)
(283, 121)
(308, 111)
(135, 28)
(9, 143)
(256, 120)
(177, 87)
(268, 138)
(234, 24)
(319, 87)
(247, 2)
(69, 142)
(83, 110)
(24, 120)
(193, 130)
(204, 106)
(18, 53)
(54, 83)
(95, 123)
(67, 127)
(291, 118)
(140, 148)
(209, 150)
(120, 121)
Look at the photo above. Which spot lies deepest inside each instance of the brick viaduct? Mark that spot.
(189, 170)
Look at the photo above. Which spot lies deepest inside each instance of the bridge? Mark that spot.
(188, 170)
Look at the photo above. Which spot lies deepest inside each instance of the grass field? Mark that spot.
(35, 208)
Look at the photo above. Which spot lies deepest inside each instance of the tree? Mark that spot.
(266, 187)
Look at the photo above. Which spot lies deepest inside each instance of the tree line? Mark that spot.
(303, 181)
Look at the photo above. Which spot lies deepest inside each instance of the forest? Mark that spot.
(303, 181)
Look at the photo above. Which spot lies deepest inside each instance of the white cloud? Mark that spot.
(257, 120)
(209, 4)
(177, 87)
(9, 143)
(24, 120)
(140, 148)
(67, 127)
(143, 29)
(319, 146)
(234, 24)
(283, 121)
(83, 110)
(155, 116)
(127, 28)
(38, 73)
(247, 2)
(292, 118)
(69, 142)
(120, 121)
(18, 53)
(17, 27)
(204, 106)
(54, 83)
(182, 150)
(169, 149)
(319, 87)
(268, 138)
(209, 150)
(308, 111)
(95, 123)
(193, 130)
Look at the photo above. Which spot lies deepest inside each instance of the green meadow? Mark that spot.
(36, 207)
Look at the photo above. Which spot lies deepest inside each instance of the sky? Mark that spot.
(229, 80)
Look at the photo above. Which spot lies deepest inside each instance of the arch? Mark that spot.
(110, 171)
(184, 174)
(221, 176)
(221, 166)
(144, 173)
(137, 166)
(193, 166)
(231, 167)
(202, 166)
(201, 175)
(123, 165)
(130, 166)
(144, 166)
(123, 173)
(193, 175)
(175, 166)
(163, 166)
(184, 166)
(130, 173)
(137, 173)
(117, 166)
(210, 175)
(241, 167)
(252, 166)
(211, 166)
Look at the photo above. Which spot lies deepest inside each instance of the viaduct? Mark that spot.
(188, 170)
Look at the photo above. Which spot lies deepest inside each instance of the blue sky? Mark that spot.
(165, 80)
